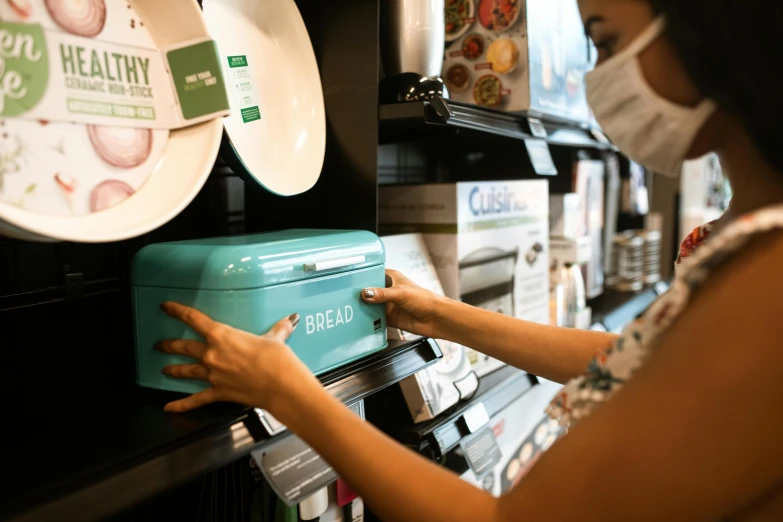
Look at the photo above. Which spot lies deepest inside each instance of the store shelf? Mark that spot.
(614, 310)
(413, 120)
(90, 464)
(437, 437)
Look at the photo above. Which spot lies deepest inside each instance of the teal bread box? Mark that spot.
(251, 282)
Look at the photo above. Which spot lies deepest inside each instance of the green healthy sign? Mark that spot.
(24, 67)
(237, 61)
(198, 79)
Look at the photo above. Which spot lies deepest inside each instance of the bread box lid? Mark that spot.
(256, 260)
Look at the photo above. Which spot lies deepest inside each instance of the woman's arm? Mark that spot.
(557, 354)
(693, 437)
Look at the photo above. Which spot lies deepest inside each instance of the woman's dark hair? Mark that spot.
(733, 50)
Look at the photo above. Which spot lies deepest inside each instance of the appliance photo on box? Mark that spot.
(486, 279)
(532, 255)
(250, 282)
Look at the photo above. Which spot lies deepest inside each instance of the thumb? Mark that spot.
(283, 329)
(394, 295)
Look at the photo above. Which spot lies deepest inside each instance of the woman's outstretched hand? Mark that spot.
(409, 307)
(254, 370)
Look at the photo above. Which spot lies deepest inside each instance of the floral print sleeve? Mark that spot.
(700, 254)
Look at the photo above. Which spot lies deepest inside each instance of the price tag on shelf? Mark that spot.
(475, 418)
(600, 137)
(537, 128)
(293, 469)
(661, 287)
(541, 157)
(481, 451)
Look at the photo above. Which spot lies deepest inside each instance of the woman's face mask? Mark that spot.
(648, 128)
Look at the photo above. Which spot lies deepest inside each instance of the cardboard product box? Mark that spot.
(566, 216)
(589, 184)
(489, 242)
(576, 251)
(523, 432)
(439, 387)
(517, 55)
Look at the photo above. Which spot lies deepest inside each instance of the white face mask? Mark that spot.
(651, 130)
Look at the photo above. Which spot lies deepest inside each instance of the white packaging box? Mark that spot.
(589, 184)
(439, 387)
(489, 242)
(536, 63)
(566, 218)
(576, 251)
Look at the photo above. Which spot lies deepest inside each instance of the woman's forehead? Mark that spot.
(613, 9)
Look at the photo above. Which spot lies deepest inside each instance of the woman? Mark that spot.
(676, 419)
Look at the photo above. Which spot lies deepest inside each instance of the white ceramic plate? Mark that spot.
(183, 169)
(283, 150)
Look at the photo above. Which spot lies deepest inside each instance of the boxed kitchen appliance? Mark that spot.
(439, 387)
(588, 182)
(250, 282)
(565, 211)
(487, 240)
(518, 55)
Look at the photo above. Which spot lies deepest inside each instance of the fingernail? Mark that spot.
(369, 294)
(158, 346)
(166, 371)
(294, 318)
(389, 282)
(168, 408)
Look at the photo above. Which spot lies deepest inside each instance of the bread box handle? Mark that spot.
(320, 266)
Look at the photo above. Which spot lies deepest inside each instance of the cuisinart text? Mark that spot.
(329, 319)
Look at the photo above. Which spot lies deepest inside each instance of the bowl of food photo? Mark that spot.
(499, 15)
(460, 16)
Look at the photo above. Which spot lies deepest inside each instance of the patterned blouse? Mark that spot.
(612, 368)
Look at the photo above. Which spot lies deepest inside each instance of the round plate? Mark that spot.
(471, 14)
(283, 149)
(452, 357)
(181, 172)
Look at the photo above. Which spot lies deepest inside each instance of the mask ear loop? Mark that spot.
(650, 33)
(656, 28)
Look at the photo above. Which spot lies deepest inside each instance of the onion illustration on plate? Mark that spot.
(67, 184)
(79, 17)
(121, 147)
(21, 7)
(108, 194)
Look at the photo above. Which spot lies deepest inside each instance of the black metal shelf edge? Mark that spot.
(614, 310)
(403, 121)
(175, 449)
(437, 437)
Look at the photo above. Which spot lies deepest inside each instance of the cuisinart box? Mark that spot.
(251, 282)
(518, 56)
(439, 387)
(487, 240)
